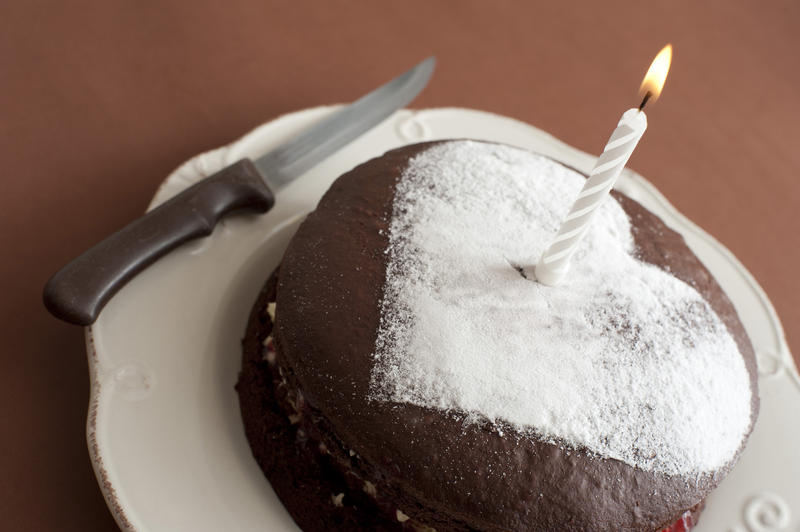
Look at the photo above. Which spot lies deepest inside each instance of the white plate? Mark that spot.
(164, 429)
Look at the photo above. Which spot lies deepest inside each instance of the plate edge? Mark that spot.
(94, 419)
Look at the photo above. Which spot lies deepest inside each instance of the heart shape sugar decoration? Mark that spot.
(622, 358)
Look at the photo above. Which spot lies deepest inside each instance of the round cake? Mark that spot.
(403, 370)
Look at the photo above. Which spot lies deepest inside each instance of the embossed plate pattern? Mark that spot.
(164, 430)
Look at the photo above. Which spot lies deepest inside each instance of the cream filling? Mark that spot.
(296, 401)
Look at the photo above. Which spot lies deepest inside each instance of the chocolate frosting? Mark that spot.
(328, 299)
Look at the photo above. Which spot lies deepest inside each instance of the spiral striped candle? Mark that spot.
(554, 263)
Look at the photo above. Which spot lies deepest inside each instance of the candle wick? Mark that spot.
(647, 96)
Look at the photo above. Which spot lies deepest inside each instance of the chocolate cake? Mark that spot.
(403, 371)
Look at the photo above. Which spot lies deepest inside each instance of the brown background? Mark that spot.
(99, 101)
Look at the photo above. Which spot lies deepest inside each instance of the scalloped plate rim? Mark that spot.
(206, 162)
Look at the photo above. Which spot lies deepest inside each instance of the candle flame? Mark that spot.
(656, 75)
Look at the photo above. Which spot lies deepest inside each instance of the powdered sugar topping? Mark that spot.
(622, 358)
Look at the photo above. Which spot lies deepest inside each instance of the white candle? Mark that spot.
(555, 261)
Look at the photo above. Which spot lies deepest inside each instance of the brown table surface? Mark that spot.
(99, 101)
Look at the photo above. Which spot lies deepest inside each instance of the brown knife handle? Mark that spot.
(81, 289)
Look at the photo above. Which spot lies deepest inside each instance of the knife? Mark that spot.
(78, 292)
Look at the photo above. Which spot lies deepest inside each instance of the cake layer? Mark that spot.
(485, 473)
(323, 485)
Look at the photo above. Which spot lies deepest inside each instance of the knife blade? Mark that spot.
(79, 291)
